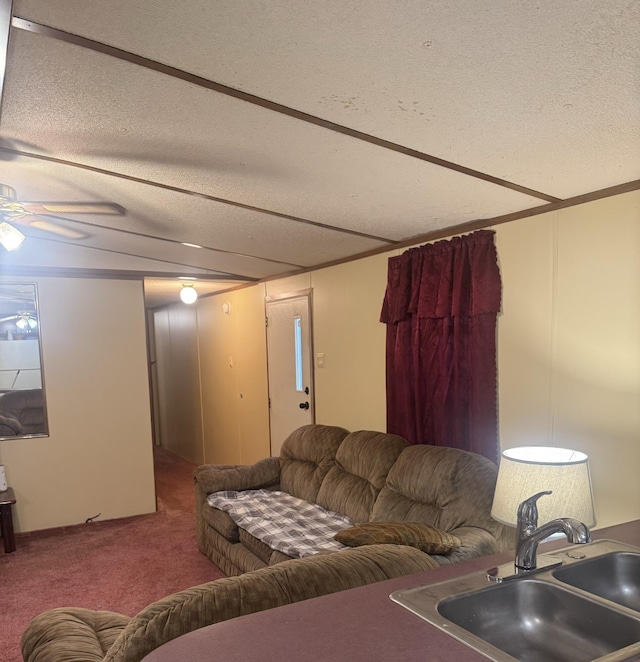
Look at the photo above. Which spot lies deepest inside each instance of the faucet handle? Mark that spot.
(528, 511)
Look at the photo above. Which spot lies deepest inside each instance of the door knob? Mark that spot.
(304, 405)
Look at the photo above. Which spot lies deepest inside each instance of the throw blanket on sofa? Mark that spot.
(290, 525)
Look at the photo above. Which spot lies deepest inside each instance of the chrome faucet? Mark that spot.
(529, 535)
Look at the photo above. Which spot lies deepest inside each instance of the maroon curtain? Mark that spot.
(440, 309)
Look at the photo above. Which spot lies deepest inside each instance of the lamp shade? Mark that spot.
(527, 470)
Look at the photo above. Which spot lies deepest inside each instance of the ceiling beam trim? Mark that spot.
(478, 224)
(204, 196)
(109, 228)
(111, 274)
(84, 42)
(142, 257)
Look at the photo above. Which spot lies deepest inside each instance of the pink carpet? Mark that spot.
(118, 565)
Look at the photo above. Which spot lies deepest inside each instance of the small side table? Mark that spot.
(7, 499)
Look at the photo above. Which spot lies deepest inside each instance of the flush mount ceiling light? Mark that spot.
(188, 293)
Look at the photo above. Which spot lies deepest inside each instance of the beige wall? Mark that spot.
(291, 285)
(98, 457)
(569, 342)
(568, 347)
(347, 299)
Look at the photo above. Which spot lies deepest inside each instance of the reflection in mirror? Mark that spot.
(22, 406)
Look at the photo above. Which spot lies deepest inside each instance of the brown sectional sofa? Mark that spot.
(83, 635)
(367, 476)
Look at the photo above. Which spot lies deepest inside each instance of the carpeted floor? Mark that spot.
(118, 565)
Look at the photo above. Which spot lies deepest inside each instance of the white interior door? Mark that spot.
(289, 353)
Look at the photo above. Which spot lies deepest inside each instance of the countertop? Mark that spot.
(359, 625)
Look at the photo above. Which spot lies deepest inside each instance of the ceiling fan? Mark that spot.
(30, 214)
(24, 320)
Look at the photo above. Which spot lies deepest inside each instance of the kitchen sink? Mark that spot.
(614, 576)
(537, 621)
(586, 609)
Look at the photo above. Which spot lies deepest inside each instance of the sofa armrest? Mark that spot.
(10, 426)
(251, 592)
(216, 477)
(71, 635)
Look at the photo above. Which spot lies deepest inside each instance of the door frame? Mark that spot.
(275, 298)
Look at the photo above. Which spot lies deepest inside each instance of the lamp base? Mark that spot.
(503, 573)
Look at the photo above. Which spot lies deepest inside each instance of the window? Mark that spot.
(297, 330)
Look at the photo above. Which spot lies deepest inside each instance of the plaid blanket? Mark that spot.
(292, 526)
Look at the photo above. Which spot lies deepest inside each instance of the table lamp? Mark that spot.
(527, 470)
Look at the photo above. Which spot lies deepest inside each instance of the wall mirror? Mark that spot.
(22, 401)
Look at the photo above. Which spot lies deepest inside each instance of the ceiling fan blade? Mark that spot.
(11, 317)
(47, 226)
(109, 208)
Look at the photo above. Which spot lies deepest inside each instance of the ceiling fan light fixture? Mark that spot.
(10, 209)
(188, 293)
(10, 237)
(26, 322)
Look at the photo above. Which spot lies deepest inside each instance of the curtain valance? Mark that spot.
(450, 278)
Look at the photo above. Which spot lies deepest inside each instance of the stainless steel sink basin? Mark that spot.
(537, 621)
(585, 610)
(614, 576)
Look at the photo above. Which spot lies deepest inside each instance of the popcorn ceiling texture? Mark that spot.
(540, 95)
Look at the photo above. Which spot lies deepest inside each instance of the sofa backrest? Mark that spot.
(306, 457)
(251, 592)
(27, 407)
(362, 463)
(444, 487)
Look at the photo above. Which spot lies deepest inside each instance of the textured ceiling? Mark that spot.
(283, 135)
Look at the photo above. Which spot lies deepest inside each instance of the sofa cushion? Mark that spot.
(278, 557)
(445, 487)
(255, 546)
(362, 463)
(306, 456)
(221, 522)
(415, 534)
